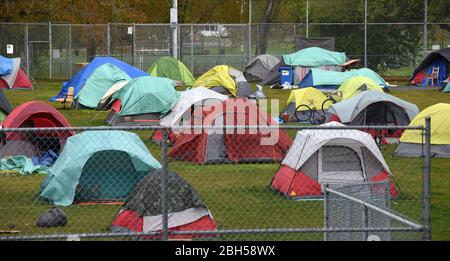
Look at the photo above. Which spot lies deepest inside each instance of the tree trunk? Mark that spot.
(271, 10)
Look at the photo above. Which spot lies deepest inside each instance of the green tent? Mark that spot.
(172, 68)
(314, 57)
(99, 83)
(98, 166)
(446, 87)
(147, 94)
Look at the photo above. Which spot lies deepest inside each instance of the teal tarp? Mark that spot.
(314, 57)
(99, 83)
(147, 94)
(323, 77)
(98, 165)
(447, 87)
(23, 165)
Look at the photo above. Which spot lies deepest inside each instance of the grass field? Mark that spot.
(237, 195)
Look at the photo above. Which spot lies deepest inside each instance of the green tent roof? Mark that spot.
(103, 164)
(99, 83)
(314, 57)
(446, 87)
(172, 68)
(147, 94)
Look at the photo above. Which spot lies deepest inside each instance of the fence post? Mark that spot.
(70, 52)
(164, 187)
(426, 183)
(108, 39)
(192, 49)
(365, 33)
(425, 28)
(325, 212)
(50, 49)
(27, 51)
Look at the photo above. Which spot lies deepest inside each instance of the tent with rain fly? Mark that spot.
(141, 212)
(98, 166)
(142, 101)
(330, 156)
(305, 59)
(323, 79)
(12, 76)
(79, 79)
(5, 106)
(412, 141)
(172, 68)
(437, 59)
(226, 80)
(259, 67)
(98, 83)
(354, 85)
(33, 114)
(303, 101)
(217, 145)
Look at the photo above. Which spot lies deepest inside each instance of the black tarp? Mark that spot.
(5, 105)
(322, 42)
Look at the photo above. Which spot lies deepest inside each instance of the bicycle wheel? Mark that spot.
(303, 113)
(326, 104)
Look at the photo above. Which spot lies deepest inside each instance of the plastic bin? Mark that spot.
(286, 75)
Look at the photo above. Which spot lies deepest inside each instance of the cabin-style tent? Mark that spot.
(330, 156)
(412, 141)
(12, 76)
(79, 79)
(172, 68)
(33, 114)
(98, 167)
(226, 80)
(259, 67)
(438, 59)
(142, 101)
(217, 145)
(141, 212)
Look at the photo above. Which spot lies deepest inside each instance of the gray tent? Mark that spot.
(259, 67)
(373, 108)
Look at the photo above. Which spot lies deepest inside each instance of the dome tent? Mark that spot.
(169, 67)
(142, 101)
(311, 97)
(213, 146)
(357, 84)
(412, 141)
(334, 156)
(97, 166)
(259, 67)
(226, 80)
(34, 114)
(12, 76)
(141, 212)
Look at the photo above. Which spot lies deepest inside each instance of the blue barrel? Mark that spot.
(286, 75)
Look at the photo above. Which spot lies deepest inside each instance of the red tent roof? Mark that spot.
(22, 81)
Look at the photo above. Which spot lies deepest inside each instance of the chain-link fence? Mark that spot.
(388, 42)
(219, 183)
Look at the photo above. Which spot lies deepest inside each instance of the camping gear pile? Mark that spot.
(12, 76)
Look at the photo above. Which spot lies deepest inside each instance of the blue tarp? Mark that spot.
(80, 78)
(46, 159)
(442, 64)
(6, 65)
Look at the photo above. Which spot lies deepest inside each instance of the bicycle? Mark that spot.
(332, 98)
(308, 112)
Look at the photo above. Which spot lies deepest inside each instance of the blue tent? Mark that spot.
(80, 78)
(6, 65)
(323, 79)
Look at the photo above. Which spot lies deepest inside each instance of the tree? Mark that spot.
(271, 10)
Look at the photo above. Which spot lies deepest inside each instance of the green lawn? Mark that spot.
(237, 195)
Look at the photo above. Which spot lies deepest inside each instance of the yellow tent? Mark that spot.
(351, 86)
(309, 96)
(217, 76)
(440, 125)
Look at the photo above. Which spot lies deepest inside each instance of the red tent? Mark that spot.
(232, 145)
(21, 82)
(34, 114)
